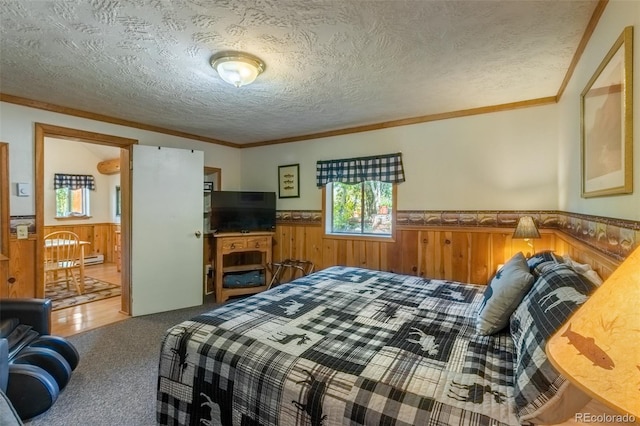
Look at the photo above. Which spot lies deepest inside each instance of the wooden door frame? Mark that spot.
(43, 131)
(4, 199)
(218, 171)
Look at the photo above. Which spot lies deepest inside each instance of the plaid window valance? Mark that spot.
(62, 180)
(383, 168)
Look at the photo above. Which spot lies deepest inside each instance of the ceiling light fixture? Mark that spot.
(237, 68)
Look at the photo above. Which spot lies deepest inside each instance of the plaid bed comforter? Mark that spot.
(341, 346)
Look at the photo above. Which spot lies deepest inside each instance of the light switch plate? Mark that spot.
(24, 189)
(22, 232)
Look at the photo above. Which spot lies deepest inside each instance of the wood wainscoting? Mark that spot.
(464, 254)
(101, 237)
(469, 255)
(22, 259)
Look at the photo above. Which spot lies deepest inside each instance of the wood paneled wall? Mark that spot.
(470, 255)
(22, 266)
(101, 237)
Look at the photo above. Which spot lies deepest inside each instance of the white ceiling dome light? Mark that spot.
(237, 68)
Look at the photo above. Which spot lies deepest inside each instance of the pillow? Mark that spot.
(503, 295)
(583, 269)
(542, 395)
(538, 259)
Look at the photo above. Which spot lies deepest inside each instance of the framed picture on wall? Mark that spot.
(289, 181)
(607, 123)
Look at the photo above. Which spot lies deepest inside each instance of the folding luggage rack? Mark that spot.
(304, 267)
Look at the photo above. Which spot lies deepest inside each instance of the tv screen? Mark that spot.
(243, 211)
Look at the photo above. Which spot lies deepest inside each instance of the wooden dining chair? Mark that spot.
(62, 253)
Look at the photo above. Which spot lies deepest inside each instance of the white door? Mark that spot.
(166, 238)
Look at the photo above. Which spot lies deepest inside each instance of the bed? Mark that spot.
(355, 346)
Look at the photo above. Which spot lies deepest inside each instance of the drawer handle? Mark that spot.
(233, 245)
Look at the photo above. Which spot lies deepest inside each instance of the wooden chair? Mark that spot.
(62, 253)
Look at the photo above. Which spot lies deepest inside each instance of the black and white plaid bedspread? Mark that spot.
(341, 346)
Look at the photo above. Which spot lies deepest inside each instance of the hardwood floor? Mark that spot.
(69, 321)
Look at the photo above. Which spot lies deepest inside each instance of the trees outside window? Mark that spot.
(72, 202)
(361, 208)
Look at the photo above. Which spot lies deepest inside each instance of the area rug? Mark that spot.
(94, 289)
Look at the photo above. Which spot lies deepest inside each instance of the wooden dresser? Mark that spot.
(241, 255)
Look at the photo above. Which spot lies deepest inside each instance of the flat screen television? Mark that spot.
(243, 211)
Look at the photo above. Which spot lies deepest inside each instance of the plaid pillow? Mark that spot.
(540, 258)
(556, 294)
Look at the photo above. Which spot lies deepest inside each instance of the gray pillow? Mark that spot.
(503, 295)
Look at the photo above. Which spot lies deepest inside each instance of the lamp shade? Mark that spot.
(598, 349)
(238, 69)
(526, 228)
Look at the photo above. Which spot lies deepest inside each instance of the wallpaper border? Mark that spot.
(614, 237)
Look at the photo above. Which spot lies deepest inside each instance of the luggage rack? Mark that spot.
(305, 267)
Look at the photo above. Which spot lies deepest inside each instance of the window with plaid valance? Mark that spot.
(62, 180)
(382, 168)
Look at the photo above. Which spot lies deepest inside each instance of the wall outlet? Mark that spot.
(22, 232)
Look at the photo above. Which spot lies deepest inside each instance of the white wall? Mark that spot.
(17, 124)
(504, 160)
(62, 156)
(617, 15)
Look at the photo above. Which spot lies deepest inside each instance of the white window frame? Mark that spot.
(327, 213)
(86, 204)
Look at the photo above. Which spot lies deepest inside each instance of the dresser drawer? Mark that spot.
(231, 244)
(258, 242)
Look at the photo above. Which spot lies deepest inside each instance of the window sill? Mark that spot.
(72, 217)
(361, 237)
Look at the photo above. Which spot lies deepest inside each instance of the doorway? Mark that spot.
(44, 132)
(4, 220)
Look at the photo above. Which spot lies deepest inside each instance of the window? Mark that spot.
(72, 202)
(360, 208)
(72, 194)
(360, 194)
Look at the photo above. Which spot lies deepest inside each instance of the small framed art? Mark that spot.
(289, 181)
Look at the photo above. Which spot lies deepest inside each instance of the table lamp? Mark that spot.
(527, 230)
(598, 348)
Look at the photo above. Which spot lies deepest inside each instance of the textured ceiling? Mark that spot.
(329, 64)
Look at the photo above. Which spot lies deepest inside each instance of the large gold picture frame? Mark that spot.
(607, 123)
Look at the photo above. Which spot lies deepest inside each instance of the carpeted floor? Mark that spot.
(94, 289)
(115, 382)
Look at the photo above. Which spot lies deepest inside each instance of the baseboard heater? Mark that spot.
(94, 259)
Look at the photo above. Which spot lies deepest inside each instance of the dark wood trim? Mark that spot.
(125, 144)
(4, 199)
(408, 121)
(358, 129)
(588, 32)
(107, 119)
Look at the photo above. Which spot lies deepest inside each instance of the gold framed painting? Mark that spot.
(607, 123)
